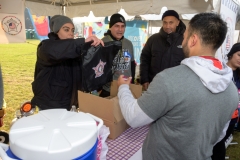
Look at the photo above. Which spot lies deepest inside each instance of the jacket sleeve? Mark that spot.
(51, 52)
(145, 62)
(130, 109)
(133, 65)
(133, 69)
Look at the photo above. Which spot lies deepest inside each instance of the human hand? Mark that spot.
(123, 80)
(145, 86)
(95, 40)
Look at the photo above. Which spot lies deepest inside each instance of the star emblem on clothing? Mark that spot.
(99, 69)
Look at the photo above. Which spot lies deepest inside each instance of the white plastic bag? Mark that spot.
(102, 147)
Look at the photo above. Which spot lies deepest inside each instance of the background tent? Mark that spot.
(102, 8)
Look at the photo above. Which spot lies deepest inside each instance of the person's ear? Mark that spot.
(178, 22)
(193, 40)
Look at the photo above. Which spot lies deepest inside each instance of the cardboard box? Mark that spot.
(107, 109)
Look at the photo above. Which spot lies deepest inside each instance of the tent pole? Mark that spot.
(149, 25)
(63, 10)
(62, 4)
(238, 37)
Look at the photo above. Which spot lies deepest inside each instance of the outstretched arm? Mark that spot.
(130, 109)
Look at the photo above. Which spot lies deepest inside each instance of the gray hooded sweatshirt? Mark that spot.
(187, 106)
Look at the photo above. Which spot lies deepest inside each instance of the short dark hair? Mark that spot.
(210, 28)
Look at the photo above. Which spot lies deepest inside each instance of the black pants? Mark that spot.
(230, 128)
(219, 151)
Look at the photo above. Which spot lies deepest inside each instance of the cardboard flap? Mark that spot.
(98, 106)
(116, 109)
(135, 89)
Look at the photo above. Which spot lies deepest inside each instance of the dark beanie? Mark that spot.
(115, 18)
(170, 13)
(235, 48)
(57, 21)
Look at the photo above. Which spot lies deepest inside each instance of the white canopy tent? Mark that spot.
(89, 18)
(96, 10)
(146, 9)
(102, 8)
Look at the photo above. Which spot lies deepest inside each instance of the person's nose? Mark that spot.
(120, 29)
(167, 25)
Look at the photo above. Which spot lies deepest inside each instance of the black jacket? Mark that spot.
(57, 72)
(161, 51)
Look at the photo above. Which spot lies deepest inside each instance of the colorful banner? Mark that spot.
(228, 12)
(12, 28)
(40, 26)
(136, 32)
(95, 28)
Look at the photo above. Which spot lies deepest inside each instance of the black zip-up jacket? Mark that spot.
(57, 73)
(161, 51)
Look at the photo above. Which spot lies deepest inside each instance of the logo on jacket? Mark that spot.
(179, 46)
(99, 69)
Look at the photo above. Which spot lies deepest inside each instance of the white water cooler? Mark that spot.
(54, 134)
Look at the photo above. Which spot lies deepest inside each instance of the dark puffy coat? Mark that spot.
(57, 72)
(161, 51)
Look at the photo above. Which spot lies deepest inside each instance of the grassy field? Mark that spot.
(18, 62)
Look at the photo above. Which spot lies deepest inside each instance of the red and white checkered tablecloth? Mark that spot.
(127, 144)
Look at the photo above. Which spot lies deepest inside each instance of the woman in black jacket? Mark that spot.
(57, 71)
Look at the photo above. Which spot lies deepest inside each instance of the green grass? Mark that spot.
(18, 63)
(233, 151)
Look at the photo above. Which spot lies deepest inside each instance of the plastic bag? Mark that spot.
(97, 64)
(102, 147)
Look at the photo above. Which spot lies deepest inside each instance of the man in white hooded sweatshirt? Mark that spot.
(186, 106)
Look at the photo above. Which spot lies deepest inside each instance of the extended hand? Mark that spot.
(124, 80)
(95, 40)
(145, 86)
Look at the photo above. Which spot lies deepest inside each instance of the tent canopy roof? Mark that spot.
(101, 8)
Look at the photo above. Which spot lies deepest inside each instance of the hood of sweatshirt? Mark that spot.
(213, 78)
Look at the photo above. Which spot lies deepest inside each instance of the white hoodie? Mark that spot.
(219, 79)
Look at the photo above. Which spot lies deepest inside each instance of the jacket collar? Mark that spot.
(53, 36)
(168, 37)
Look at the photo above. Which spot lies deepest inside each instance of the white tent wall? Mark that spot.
(141, 7)
(79, 8)
(12, 22)
(43, 9)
